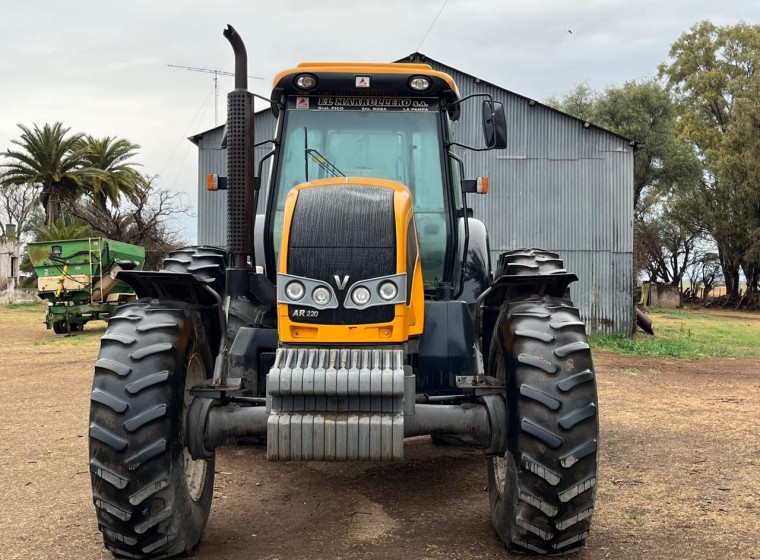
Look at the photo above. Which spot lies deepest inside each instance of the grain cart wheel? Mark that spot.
(151, 498)
(542, 490)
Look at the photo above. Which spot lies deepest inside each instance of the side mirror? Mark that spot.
(494, 125)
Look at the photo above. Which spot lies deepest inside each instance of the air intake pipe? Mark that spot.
(240, 170)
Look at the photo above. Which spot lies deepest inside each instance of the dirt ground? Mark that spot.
(679, 475)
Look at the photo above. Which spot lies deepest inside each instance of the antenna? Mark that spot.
(216, 74)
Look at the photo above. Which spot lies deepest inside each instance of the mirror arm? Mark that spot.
(466, 97)
(471, 148)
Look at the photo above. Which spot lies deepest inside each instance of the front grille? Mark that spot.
(343, 230)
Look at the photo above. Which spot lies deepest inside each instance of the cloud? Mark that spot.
(101, 67)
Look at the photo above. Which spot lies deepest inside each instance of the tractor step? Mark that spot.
(337, 404)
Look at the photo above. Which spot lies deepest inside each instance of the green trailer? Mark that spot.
(77, 277)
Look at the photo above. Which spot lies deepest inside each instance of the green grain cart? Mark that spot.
(77, 277)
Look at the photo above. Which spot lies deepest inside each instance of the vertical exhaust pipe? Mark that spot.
(240, 170)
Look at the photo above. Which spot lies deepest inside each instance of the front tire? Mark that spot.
(151, 499)
(542, 490)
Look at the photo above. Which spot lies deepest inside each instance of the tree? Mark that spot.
(50, 159)
(61, 230)
(712, 74)
(111, 156)
(668, 248)
(17, 205)
(145, 220)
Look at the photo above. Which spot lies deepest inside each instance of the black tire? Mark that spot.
(151, 500)
(243, 313)
(542, 491)
(522, 262)
(59, 327)
(208, 263)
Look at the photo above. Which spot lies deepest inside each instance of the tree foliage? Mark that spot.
(51, 160)
(88, 187)
(713, 75)
(118, 174)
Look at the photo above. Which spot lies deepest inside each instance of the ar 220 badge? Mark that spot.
(305, 313)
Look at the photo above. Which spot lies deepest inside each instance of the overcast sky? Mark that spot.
(101, 67)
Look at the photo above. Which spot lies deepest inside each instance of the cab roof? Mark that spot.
(367, 79)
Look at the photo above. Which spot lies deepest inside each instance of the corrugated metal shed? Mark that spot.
(561, 184)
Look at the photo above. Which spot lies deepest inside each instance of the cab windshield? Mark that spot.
(354, 137)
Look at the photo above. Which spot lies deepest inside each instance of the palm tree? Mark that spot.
(50, 159)
(111, 173)
(61, 230)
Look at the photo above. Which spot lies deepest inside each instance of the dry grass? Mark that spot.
(679, 472)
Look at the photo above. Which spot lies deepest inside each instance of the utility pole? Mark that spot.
(216, 74)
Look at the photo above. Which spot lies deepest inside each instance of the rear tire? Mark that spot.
(151, 499)
(542, 490)
(208, 263)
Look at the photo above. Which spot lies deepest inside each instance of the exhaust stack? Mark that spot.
(240, 169)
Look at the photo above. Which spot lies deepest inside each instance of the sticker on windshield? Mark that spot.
(302, 102)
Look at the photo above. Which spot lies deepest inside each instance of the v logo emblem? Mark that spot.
(341, 283)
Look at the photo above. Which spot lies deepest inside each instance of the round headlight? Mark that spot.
(321, 295)
(419, 83)
(305, 81)
(294, 291)
(360, 295)
(387, 291)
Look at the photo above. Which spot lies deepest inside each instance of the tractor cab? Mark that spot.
(376, 121)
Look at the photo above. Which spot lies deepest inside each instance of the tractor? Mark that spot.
(359, 309)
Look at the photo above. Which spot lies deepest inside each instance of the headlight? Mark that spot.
(294, 290)
(387, 290)
(321, 295)
(360, 295)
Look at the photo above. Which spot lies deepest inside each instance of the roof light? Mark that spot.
(305, 81)
(419, 83)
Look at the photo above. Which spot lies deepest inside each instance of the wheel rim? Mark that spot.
(500, 462)
(500, 473)
(195, 470)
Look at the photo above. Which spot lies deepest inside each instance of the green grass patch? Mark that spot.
(23, 304)
(688, 335)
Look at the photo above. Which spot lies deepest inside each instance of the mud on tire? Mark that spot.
(151, 500)
(542, 491)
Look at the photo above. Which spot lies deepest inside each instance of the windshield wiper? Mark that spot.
(325, 164)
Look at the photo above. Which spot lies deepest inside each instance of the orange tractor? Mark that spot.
(360, 310)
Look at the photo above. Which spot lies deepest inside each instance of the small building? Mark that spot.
(562, 184)
(9, 259)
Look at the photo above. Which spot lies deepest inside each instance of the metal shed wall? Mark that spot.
(212, 158)
(558, 185)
